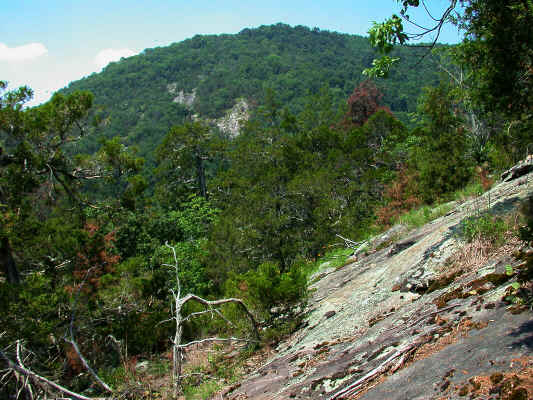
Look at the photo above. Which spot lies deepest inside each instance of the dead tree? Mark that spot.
(43, 383)
(71, 340)
(30, 381)
(177, 305)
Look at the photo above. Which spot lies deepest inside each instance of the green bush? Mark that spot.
(200, 392)
(487, 227)
(268, 287)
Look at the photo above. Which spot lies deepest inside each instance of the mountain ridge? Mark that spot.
(133, 95)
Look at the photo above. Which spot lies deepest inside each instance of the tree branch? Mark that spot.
(211, 303)
(21, 369)
(75, 345)
(213, 339)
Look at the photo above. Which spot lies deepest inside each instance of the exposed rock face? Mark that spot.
(522, 168)
(182, 97)
(231, 123)
(411, 318)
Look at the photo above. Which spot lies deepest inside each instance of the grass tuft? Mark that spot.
(422, 215)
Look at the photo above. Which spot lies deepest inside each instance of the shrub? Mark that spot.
(489, 227)
(267, 287)
(400, 196)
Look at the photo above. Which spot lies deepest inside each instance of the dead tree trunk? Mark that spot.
(178, 303)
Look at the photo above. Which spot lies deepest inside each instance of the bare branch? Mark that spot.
(428, 12)
(196, 314)
(42, 380)
(75, 345)
(193, 374)
(210, 311)
(394, 361)
(176, 307)
(208, 303)
(214, 339)
(350, 243)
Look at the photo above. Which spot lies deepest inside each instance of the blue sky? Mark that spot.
(47, 44)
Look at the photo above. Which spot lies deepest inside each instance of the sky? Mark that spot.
(47, 44)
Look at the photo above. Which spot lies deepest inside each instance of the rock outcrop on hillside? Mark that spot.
(234, 118)
(418, 315)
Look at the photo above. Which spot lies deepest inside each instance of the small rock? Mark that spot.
(231, 355)
(522, 168)
(141, 366)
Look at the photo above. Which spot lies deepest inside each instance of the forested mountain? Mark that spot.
(136, 94)
(104, 254)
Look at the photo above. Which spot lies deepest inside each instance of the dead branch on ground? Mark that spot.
(19, 369)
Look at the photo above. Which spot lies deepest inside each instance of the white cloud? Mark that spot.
(21, 53)
(104, 57)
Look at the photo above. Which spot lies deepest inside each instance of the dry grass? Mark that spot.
(477, 253)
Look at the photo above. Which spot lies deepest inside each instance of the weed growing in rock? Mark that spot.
(421, 216)
(486, 227)
(335, 258)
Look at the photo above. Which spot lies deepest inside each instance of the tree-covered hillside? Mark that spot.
(136, 94)
(97, 261)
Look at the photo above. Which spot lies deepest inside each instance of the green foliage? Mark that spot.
(331, 259)
(422, 215)
(470, 191)
(385, 36)
(294, 181)
(144, 235)
(121, 169)
(496, 53)
(135, 95)
(499, 50)
(488, 227)
(297, 175)
(183, 155)
(440, 157)
(268, 287)
(381, 67)
(203, 391)
(32, 311)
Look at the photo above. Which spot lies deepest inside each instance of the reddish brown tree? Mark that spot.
(364, 101)
(401, 195)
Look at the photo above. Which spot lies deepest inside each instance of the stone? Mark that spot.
(330, 314)
(141, 366)
(522, 168)
(232, 121)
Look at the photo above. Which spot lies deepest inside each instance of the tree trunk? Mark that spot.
(8, 262)
(176, 348)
